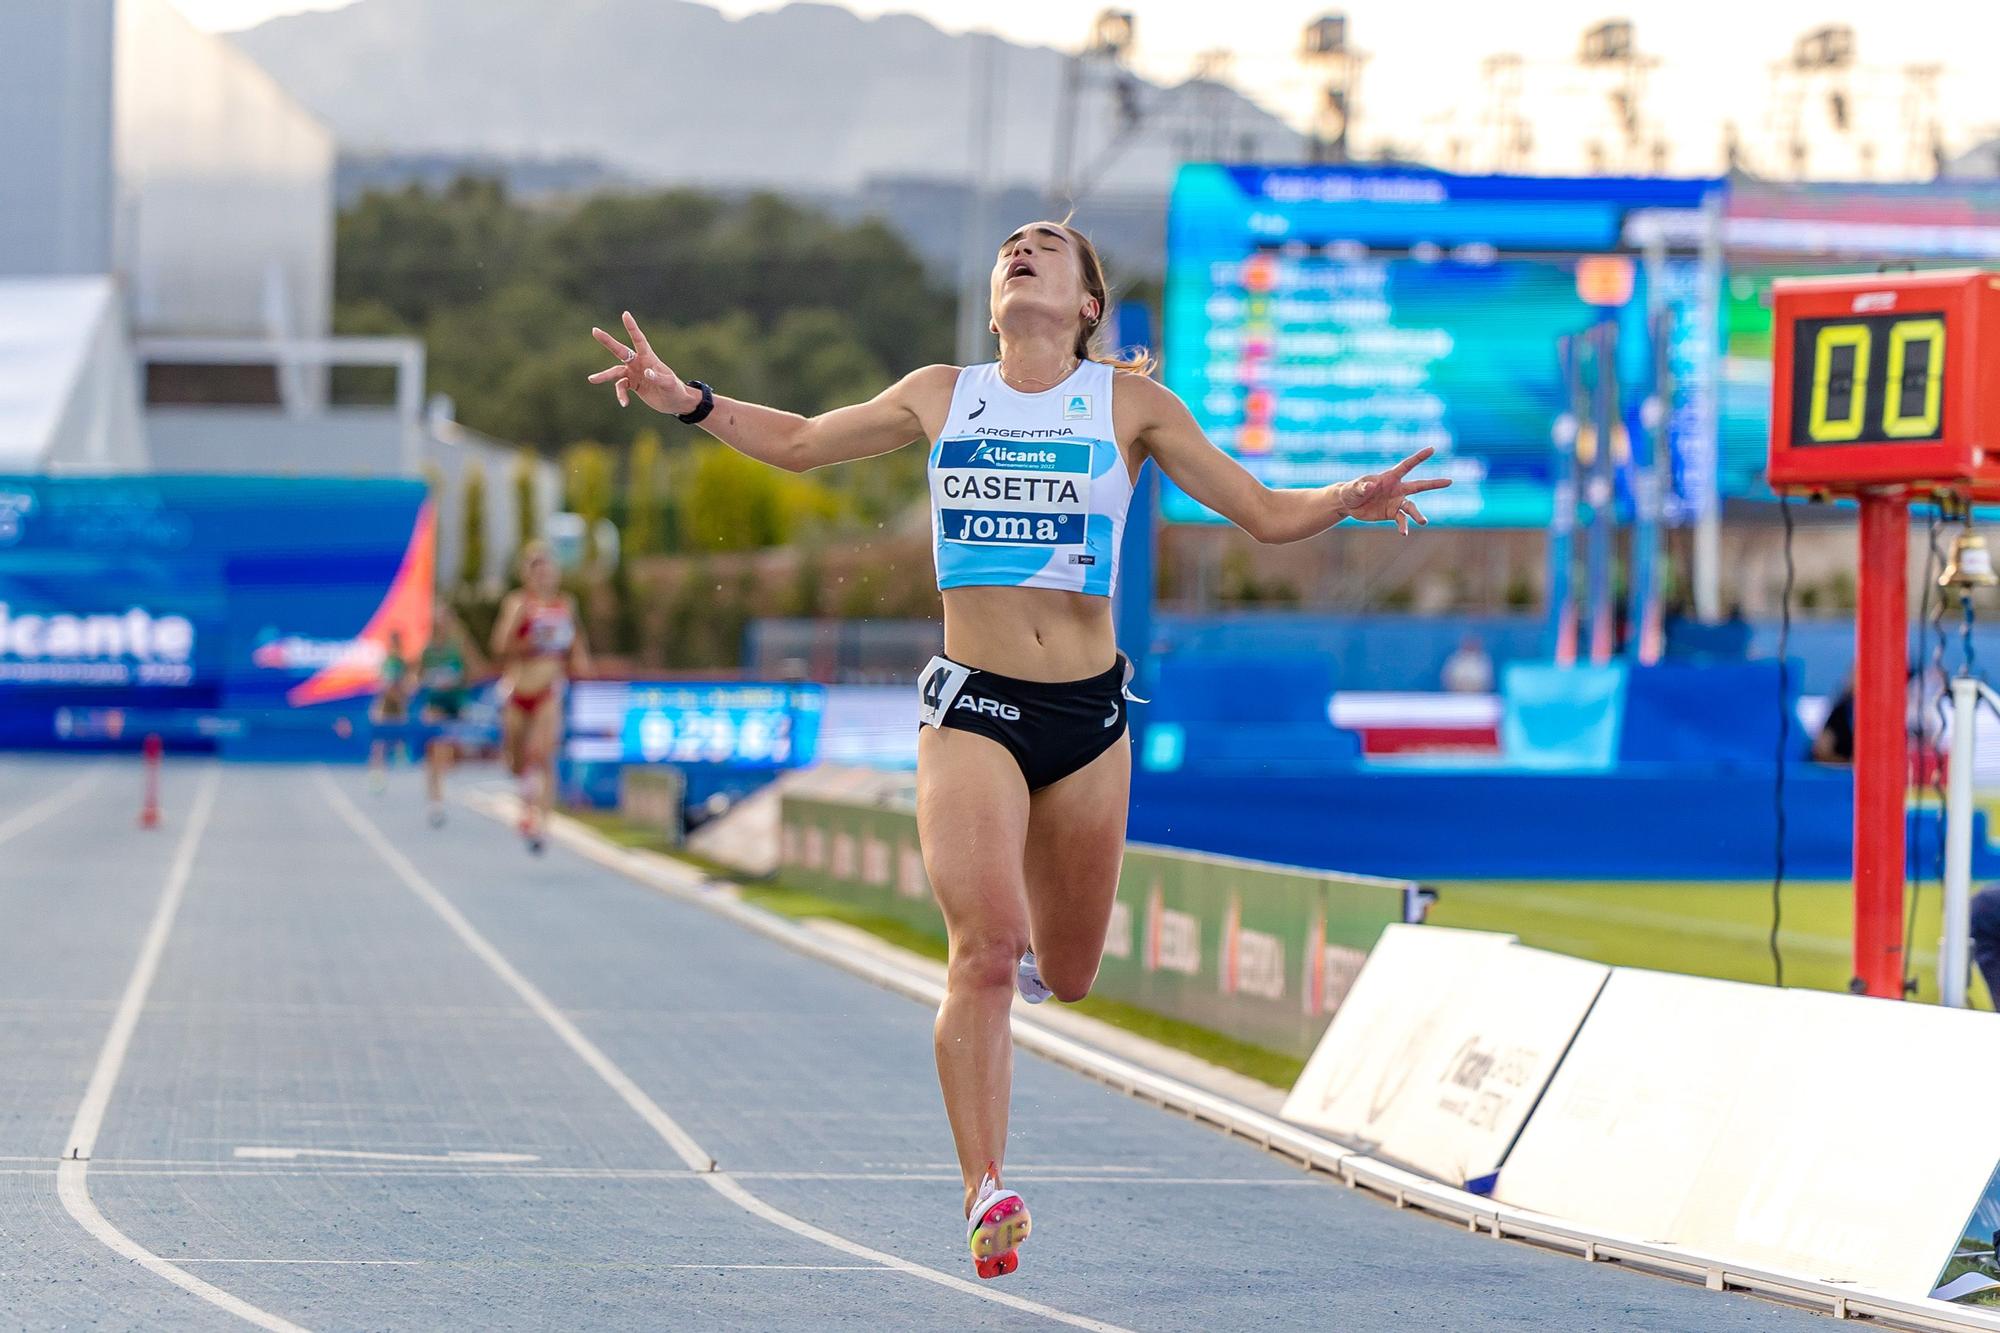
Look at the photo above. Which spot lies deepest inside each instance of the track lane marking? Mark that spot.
(26, 819)
(72, 1184)
(693, 1154)
(511, 1263)
(260, 1154)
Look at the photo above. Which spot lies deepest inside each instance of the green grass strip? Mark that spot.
(1711, 928)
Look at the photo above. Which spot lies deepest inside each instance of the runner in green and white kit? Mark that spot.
(391, 709)
(441, 675)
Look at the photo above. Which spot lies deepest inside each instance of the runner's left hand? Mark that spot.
(1381, 497)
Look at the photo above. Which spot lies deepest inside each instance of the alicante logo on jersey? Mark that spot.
(1076, 407)
(1000, 493)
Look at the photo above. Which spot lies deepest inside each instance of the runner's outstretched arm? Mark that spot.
(886, 422)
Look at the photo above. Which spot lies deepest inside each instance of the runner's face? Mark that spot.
(1037, 270)
(540, 575)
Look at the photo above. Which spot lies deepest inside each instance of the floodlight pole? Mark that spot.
(1955, 946)
(1881, 741)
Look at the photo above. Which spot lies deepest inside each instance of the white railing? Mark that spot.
(1955, 945)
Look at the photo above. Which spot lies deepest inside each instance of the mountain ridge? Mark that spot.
(675, 92)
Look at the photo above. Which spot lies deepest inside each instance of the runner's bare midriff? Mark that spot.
(1030, 633)
(534, 675)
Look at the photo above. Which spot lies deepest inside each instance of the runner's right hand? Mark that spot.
(641, 373)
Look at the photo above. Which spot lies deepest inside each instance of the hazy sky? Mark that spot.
(1422, 85)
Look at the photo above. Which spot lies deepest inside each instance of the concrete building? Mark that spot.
(166, 271)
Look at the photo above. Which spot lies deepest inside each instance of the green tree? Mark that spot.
(808, 597)
(819, 361)
(727, 502)
(587, 486)
(642, 496)
(526, 526)
(704, 258)
(418, 252)
(472, 530)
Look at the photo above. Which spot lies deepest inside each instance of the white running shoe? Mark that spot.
(1028, 980)
(996, 1227)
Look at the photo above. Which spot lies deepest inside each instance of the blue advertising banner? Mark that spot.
(205, 595)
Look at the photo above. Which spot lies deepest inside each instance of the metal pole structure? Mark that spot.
(1137, 558)
(1652, 482)
(1136, 579)
(1062, 185)
(1881, 757)
(975, 343)
(1562, 521)
(1955, 946)
(1600, 495)
(1707, 491)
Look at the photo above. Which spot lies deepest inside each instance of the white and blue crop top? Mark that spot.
(1028, 490)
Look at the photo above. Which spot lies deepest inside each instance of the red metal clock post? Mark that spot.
(1877, 394)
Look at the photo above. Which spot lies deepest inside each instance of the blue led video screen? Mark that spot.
(1322, 322)
(731, 725)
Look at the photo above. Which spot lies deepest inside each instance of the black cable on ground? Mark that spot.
(1784, 745)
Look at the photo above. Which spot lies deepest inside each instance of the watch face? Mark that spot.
(704, 407)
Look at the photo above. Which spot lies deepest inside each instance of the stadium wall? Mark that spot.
(1259, 952)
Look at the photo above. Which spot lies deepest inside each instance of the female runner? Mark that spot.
(538, 642)
(390, 711)
(1021, 782)
(443, 678)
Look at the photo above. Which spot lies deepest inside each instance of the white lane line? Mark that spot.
(1023, 1168)
(504, 1263)
(71, 1185)
(684, 1146)
(256, 1154)
(339, 1263)
(795, 1268)
(26, 819)
(591, 1173)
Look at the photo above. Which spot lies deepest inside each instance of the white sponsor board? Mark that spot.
(1832, 1135)
(1442, 1047)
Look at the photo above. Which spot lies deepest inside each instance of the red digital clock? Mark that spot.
(1886, 379)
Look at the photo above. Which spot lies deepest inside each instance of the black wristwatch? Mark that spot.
(702, 409)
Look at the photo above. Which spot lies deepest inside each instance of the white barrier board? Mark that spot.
(1442, 1047)
(1836, 1136)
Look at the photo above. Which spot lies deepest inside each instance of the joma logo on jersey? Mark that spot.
(1007, 528)
(990, 707)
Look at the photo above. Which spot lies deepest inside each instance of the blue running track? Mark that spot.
(384, 1076)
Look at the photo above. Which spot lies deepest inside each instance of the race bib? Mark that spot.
(938, 685)
(1004, 493)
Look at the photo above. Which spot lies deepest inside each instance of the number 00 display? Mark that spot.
(1868, 379)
